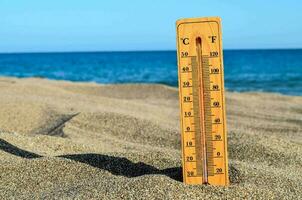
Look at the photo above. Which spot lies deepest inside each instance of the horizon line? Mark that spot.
(124, 51)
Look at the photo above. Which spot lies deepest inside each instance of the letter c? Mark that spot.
(185, 41)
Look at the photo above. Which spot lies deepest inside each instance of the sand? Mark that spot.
(64, 140)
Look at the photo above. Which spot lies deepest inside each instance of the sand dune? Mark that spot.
(83, 140)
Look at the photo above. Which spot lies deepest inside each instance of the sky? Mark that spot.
(119, 25)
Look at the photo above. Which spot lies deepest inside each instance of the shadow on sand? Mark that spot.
(116, 165)
(9, 148)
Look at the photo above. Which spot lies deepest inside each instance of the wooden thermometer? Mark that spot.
(202, 103)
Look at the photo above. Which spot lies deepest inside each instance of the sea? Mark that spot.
(278, 71)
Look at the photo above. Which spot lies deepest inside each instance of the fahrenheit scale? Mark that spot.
(202, 101)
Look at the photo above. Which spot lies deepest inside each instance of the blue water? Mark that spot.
(245, 70)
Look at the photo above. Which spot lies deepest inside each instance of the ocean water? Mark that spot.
(245, 70)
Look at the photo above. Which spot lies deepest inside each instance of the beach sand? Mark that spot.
(69, 140)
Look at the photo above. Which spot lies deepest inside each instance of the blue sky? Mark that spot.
(119, 25)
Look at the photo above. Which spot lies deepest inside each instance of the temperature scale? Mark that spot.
(202, 101)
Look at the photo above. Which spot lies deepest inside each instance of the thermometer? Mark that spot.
(202, 101)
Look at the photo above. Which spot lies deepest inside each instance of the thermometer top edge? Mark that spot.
(197, 19)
